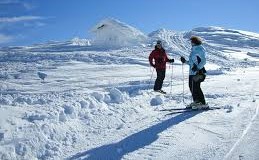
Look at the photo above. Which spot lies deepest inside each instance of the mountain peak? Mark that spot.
(111, 32)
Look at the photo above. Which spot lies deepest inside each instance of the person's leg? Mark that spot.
(162, 77)
(156, 86)
(191, 87)
(196, 91)
(201, 97)
(198, 95)
(159, 80)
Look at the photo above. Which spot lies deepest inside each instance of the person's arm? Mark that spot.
(199, 58)
(169, 60)
(151, 57)
(201, 61)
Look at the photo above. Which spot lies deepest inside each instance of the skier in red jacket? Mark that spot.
(160, 57)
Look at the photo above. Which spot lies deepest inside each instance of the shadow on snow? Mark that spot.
(116, 151)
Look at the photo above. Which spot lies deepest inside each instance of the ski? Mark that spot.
(185, 110)
(189, 109)
(160, 91)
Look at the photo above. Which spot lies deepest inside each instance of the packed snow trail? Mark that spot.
(245, 132)
(206, 134)
(133, 142)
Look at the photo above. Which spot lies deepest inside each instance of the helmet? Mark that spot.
(159, 42)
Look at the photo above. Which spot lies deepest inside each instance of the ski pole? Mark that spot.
(192, 88)
(151, 77)
(183, 81)
(171, 80)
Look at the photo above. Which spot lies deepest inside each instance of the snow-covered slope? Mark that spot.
(97, 103)
(226, 48)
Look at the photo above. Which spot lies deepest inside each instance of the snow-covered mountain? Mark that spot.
(112, 33)
(80, 100)
(222, 45)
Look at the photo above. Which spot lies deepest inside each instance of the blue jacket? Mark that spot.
(197, 57)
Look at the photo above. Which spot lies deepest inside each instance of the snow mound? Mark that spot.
(5, 101)
(35, 117)
(98, 96)
(111, 33)
(156, 101)
(116, 96)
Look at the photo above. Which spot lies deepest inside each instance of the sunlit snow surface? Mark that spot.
(96, 103)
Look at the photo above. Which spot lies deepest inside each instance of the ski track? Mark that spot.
(248, 127)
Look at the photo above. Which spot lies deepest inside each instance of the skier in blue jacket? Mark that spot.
(197, 73)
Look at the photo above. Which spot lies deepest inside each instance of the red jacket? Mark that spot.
(160, 58)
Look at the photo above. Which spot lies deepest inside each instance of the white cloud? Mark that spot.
(8, 1)
(5, 39)
(27, 6)
(19, 19)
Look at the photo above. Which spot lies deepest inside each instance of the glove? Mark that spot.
(183, 60)
(171, 60)
(194, 68)
(200, 72)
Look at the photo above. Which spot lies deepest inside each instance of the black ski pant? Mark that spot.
(196, 91)
(159, 79)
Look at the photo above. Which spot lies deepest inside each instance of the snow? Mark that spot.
(98, 103)
(111, 33)
(80, 42)
(156, 101)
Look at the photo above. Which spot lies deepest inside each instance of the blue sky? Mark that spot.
(25, 22)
